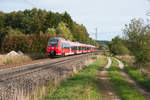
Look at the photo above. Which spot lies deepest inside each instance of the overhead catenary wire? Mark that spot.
(148, 13)
(29, 2)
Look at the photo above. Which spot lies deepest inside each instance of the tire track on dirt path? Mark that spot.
(121, 65)
(109, 63)
(132, 82)
(104, 84)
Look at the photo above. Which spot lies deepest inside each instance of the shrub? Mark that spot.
(26, 43)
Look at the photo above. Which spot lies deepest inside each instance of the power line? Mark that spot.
(148, 13)
(95, 33)
(29, 3)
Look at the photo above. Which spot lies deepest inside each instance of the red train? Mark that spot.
(61, 47)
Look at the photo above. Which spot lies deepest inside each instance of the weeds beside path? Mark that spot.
(81, 86)
(104, 84)
(97, 82)
(139, 78)
(123, 87)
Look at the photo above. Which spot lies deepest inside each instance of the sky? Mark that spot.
(108, 16)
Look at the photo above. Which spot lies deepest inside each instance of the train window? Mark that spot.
(62, 45)
(53, 44)
(54, 40)
(65, 45)
(68, 46)
(73, 48)
(80, 48)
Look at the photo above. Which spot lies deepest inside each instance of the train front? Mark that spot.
(52, 47)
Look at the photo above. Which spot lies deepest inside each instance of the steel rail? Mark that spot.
(32, 69)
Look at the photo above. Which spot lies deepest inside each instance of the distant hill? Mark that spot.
(103, 42)
(103, 45)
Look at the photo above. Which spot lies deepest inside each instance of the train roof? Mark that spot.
(73, 42)
(58, 38)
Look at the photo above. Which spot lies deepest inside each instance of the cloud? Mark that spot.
(106, 15)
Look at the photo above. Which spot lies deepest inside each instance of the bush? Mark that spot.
(117, 46)
(25, 43)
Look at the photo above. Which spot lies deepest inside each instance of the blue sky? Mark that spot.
(109, 16)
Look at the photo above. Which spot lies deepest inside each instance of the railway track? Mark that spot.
(15, 73)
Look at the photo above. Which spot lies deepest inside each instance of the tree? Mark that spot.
(117, 46)
(80, 33)
(11, 31)
(51, 31)
(2, 22)
(36, 21)
(66, 18)
(138, 39)
(63, 31)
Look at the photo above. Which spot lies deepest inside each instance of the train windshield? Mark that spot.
(53, 42)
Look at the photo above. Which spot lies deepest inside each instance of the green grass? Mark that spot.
(115, 64)
(122, 87)
(139, 77)
(81, 86)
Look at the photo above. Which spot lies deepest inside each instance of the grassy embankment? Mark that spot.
(122, 87)
(140, 77)
(4, 59)
(81, 86)
(16, 59)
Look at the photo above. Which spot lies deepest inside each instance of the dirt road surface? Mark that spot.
(132, 82)
(105, 85)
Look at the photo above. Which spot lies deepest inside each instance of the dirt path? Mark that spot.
(132, 82)
(121, 65)
(109, 63)
(105, 85)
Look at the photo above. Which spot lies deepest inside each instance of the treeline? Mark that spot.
(136, 42)
(19, 27)
(33, 21)
(103, 45)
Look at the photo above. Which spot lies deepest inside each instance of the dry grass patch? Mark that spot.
(5, 59)
(126, 58)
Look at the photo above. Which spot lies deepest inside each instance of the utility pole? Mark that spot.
(148, 13)
(96, 33)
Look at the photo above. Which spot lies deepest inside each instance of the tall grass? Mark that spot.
(139, 77)
(126, 58)
(81, 86)
(14, 59)
(121, 85)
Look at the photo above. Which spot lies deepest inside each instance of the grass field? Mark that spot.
(139, 77)
(122, 87)
(81, 86)
(14, 59)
